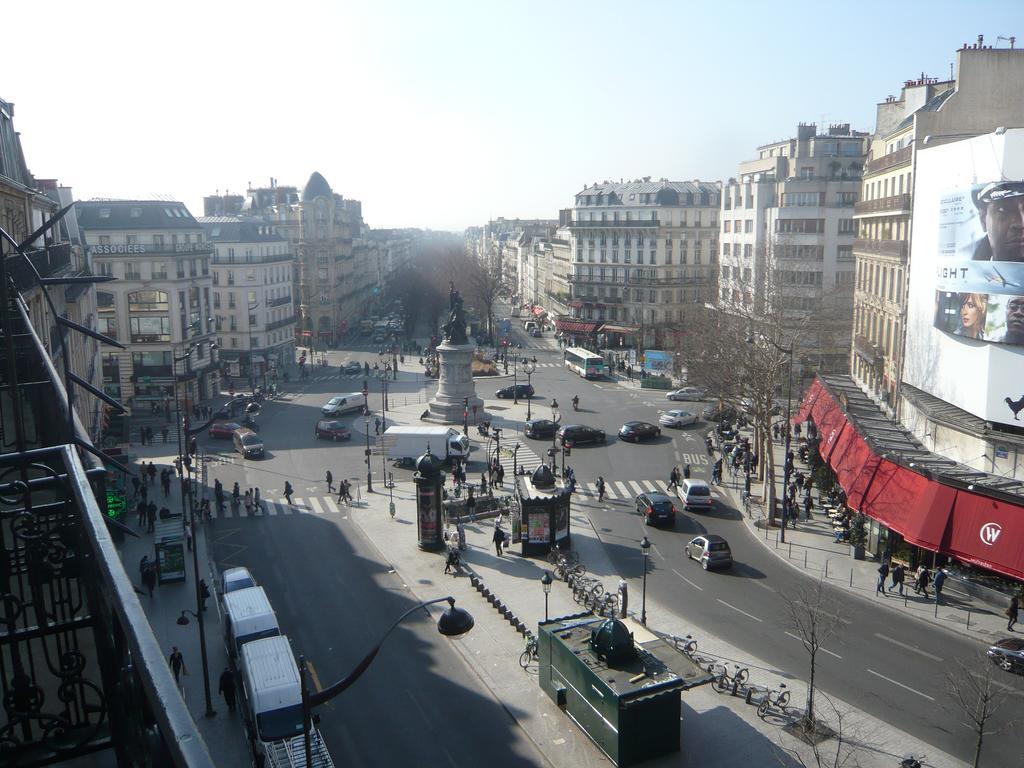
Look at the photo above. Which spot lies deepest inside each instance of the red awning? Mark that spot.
(810, 397)
(988, 533)
(850, 455)
(829, 418)
(538, 311)
(572, 325)
(609, 328)
(910, 504)
(861, 481)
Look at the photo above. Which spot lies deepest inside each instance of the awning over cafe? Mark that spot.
(572, 325)
(627, 329)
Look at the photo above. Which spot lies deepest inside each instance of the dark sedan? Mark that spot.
(524, 390)
(579, 434)
(331, 430)
(540, 429)
(223, 430)
(1008, 654)
(656, 508)
(636, 431)
(352, 367)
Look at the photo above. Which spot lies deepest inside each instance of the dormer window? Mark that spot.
(135, 212)
(104, 213)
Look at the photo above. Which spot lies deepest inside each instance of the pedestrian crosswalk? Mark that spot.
(300, 505)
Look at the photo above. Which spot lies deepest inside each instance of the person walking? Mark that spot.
(498, 537)
(204, 594)
(226, 687)
(248, 502)
(165, 481)
(600, 488)
(140, 510)
(330, 481)
(177, 662)
(287, 491)
(673, 478)
(501, 476)
(149, 578)
(188, 535)
(808, 506)
(163, 432)
(897, 578)
(236, 493)
(151, 517)
(937, 582)
(470, 505)
(376, 425)
(1011, 612)
(924, 578)
(257, 501)
(883, 572)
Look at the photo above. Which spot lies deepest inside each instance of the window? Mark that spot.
(147, 301)
(807, 172)
(847, 226)
(844, 253)
(801, 199)
(231, 301)
(727, 226)
(801, 226)
(158, 240)
(150, 330)
(748, 226)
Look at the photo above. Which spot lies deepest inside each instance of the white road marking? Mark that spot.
(901, 685)
(738, 610)
(315, 505)
(697, 586)
(927, 655)
(823, 650)
(300, 507)
(332, 507)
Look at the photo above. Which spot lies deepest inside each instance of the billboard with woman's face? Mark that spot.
(965, 315)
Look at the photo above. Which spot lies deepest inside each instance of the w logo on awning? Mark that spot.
(990, 532)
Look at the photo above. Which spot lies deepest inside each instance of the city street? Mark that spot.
(334, 598)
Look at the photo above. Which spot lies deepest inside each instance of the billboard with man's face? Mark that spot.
(965, 319)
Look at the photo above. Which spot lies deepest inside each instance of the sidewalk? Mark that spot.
(224, 733)
(811, 547)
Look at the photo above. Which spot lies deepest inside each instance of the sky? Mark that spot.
(442, 114)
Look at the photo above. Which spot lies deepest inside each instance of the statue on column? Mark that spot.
(455, 328)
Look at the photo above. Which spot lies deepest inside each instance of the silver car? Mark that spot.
(686, 393)
(710, 550)
(677, 418)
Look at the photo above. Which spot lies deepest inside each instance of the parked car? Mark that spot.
(686, 393)
(536, 333)
(331, 430)
(718, 414)
(540, 428)
(223, 430)
(234, 579)
(524, 390)
(579, 434)
(1008, 654)
(677, 418)
(710, 550)
(637, 431)
(656, 508)
(352, 367)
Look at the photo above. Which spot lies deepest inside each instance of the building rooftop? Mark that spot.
(239, 229)
(134, 214)
(665, 192)
(317, 186)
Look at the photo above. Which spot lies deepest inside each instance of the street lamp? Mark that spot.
(528, 368)
(369, 475)
(252, 370)
(554, 433)
(454, 622)
(515, 380)
(787, 466)
(645, 548)
(545, 581)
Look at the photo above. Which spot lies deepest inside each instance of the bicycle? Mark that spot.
(607, 605)
(557, 554)
(724, 681)
(773, 698)
(532, 652)
(564, 571)
(588, 590)
(685, 645)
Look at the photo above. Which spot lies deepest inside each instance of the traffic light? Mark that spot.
(465, 402)
(567, 450)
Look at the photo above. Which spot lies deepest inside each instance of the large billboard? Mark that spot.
(965, 318)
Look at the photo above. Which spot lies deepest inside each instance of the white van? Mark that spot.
(342, 404)
(247, 617)
(271, 691)
(696, 495)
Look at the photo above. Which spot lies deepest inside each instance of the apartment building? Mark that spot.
(252, 297)
(787, 233)
(644, 256)
(159, 304)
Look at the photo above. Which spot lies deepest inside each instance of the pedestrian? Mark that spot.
(257, 501)
(483, 483)
(151, 517)
(188, 535)
(177, 662)
(897, 578)
(177, 465)
(165, 481)
(287, 491)
(673, 478)
(470, 505)
(796, 431)
(924, 578)
(149, 578)
(140, 510)
(143, 565)
(937, 582)
(775, 432)
(376, 425)
(808, 506)
(144, 492)
(686, 471)
(204, 594)
(883, 572)
(498, 537)
(330, 482)
(163, 432)
(248, 502)
(1011, 612)
(152, 473)
(501, 476)
(236, 492)
(226, 687)
(600, 488)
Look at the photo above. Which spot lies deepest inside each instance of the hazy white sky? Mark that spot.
(444, 114)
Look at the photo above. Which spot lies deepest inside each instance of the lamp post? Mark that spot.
(384, 397)
(645, 549)
(515, 380)
(369, 473)
(453, 623)
(252, 370)
(545, 581)
(787, 466)
(528, 368)
(554, 434)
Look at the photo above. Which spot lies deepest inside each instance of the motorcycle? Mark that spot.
(575, 403)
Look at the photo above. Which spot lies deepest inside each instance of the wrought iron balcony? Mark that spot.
(280, 301)
(48, 262)
(885, 162)
(892, 204)
(285, 321)
(607, 224)
(896, 248)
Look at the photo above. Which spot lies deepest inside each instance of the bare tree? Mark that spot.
(973, 691)
(833, 748)
(815, 617)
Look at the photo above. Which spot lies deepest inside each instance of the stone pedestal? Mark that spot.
(455, 384)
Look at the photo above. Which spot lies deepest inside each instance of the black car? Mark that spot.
(656, 508)
(352, 367)
(714, 413)
(578, 434)
(1008, 654)
(639, 430)
(515, 390)
(540, 428)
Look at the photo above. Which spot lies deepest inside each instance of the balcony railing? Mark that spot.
(281, 300)
(884, 163)
(607, 224)
(896, 248)
(280, 323)
(237, 261)
(47, 261)
(138, 249)
(892, 204)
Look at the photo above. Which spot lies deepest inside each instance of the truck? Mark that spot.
(272, 707)
(406, 444)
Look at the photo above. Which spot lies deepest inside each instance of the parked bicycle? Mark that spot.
(531, 652)
(607, 605)
(556, 554)
(685, 644)
(774, 698)
(724, 681)
(587, 590)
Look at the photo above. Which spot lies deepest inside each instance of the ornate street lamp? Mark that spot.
(645, 548)
(545, 581)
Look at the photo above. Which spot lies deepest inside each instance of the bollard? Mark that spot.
(805, 559)
(905, 596)
(936, 609)
(968, 618)
(851, 577)
(776, 541)
(826, 568)
(790, 555)
(749, 696)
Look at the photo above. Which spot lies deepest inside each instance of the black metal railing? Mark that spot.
(48, 261)
(280, 300)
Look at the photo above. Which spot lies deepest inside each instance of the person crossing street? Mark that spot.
(330, 481)
(600, 488)
(288, 491)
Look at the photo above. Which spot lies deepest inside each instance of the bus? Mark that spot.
(584, 362)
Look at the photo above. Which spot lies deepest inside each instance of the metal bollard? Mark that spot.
(790, 555)
(936, 609)
(851, 577)
(968, 618)
(805, 559)
(826, 568)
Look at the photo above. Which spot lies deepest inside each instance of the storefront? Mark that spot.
(923, 508)
(577, 333)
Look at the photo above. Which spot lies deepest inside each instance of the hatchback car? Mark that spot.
(524, 390)
(331, 430)
(656, 508)
(223, 430)
(536, 333)
(234, 579)
(579, 434)
(686, 393)
(710, 550)
(352, 367)
(540, 428)
(637, 431)
(677, 418)
(1008, 654)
